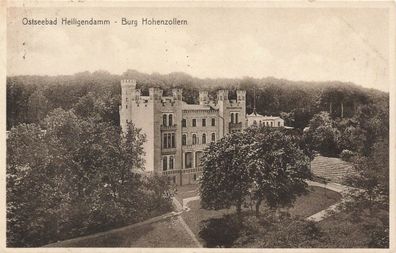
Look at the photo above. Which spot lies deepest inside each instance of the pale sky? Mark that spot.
(291, 43)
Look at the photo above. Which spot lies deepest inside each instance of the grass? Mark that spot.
(186, 191)
(316, 200)
(164, 233)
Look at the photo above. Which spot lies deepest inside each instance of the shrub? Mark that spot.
(219, 232)
(346, 155)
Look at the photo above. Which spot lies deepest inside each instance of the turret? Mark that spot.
(222, 95)
(241, 95)
(177, 94)
(155, 93)
(203, 97)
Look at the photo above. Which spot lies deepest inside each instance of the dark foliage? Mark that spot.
(30, 98)
(219, 232)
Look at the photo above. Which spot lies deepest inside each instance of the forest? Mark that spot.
(31, 98)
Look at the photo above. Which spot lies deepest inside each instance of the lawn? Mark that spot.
(186, 191)
(164, 233)
(316, 200)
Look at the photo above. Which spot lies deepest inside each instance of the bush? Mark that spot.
(220, 232)
(346, 155)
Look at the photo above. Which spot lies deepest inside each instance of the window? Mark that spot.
(194, 122)
(272, 123)
(232, 118)
(184, 122)
(213, 121)
(173, 141)
(164, 163)
(278, 124)
(236, 117)
(184, 140)
(188, 160)
(170, 120)
(203, 122)
(194, 139)
(213, 137)
(174, 179)
(254, 122)
(171, 162)
(165, 141)
(169, 141)
(195, 177)
(164, 120)
(203, 138)
(126, 106)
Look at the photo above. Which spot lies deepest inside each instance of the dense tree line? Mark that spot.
(30, 98)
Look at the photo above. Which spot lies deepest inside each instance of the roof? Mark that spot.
(256, 115)
(195, 107)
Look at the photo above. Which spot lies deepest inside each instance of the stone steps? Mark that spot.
(333, 169)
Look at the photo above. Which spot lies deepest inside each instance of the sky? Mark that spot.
(309, 44)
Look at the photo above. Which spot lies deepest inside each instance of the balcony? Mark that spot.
(235, 126)
(183, 171)
(168, 151)
(168, 128)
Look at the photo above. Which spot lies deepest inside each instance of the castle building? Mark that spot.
(177, 132)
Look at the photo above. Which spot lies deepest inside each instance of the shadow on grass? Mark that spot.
(116, 239)
(220, 232)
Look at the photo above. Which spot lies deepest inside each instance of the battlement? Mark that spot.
(222, 95)
(241, 95)
(203, 97)
(128, 83)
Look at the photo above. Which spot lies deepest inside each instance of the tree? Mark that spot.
(77, 177)
(279, 167)
(264, 161)
(225, 180)
(323, 134)
(37, 106)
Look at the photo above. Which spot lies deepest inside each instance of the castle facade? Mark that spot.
(177, 132)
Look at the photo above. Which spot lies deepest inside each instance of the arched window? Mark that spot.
(184, 122)
(184, 139)
(164, 120)
(236, 117)
(232, 118)
(164, 163)
(261, 123)
(254, 122)
(170, 120)
(203, 138)
(194, 139)
(171, 161)
(213, 137)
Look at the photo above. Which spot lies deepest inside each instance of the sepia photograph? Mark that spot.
(198, 125)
